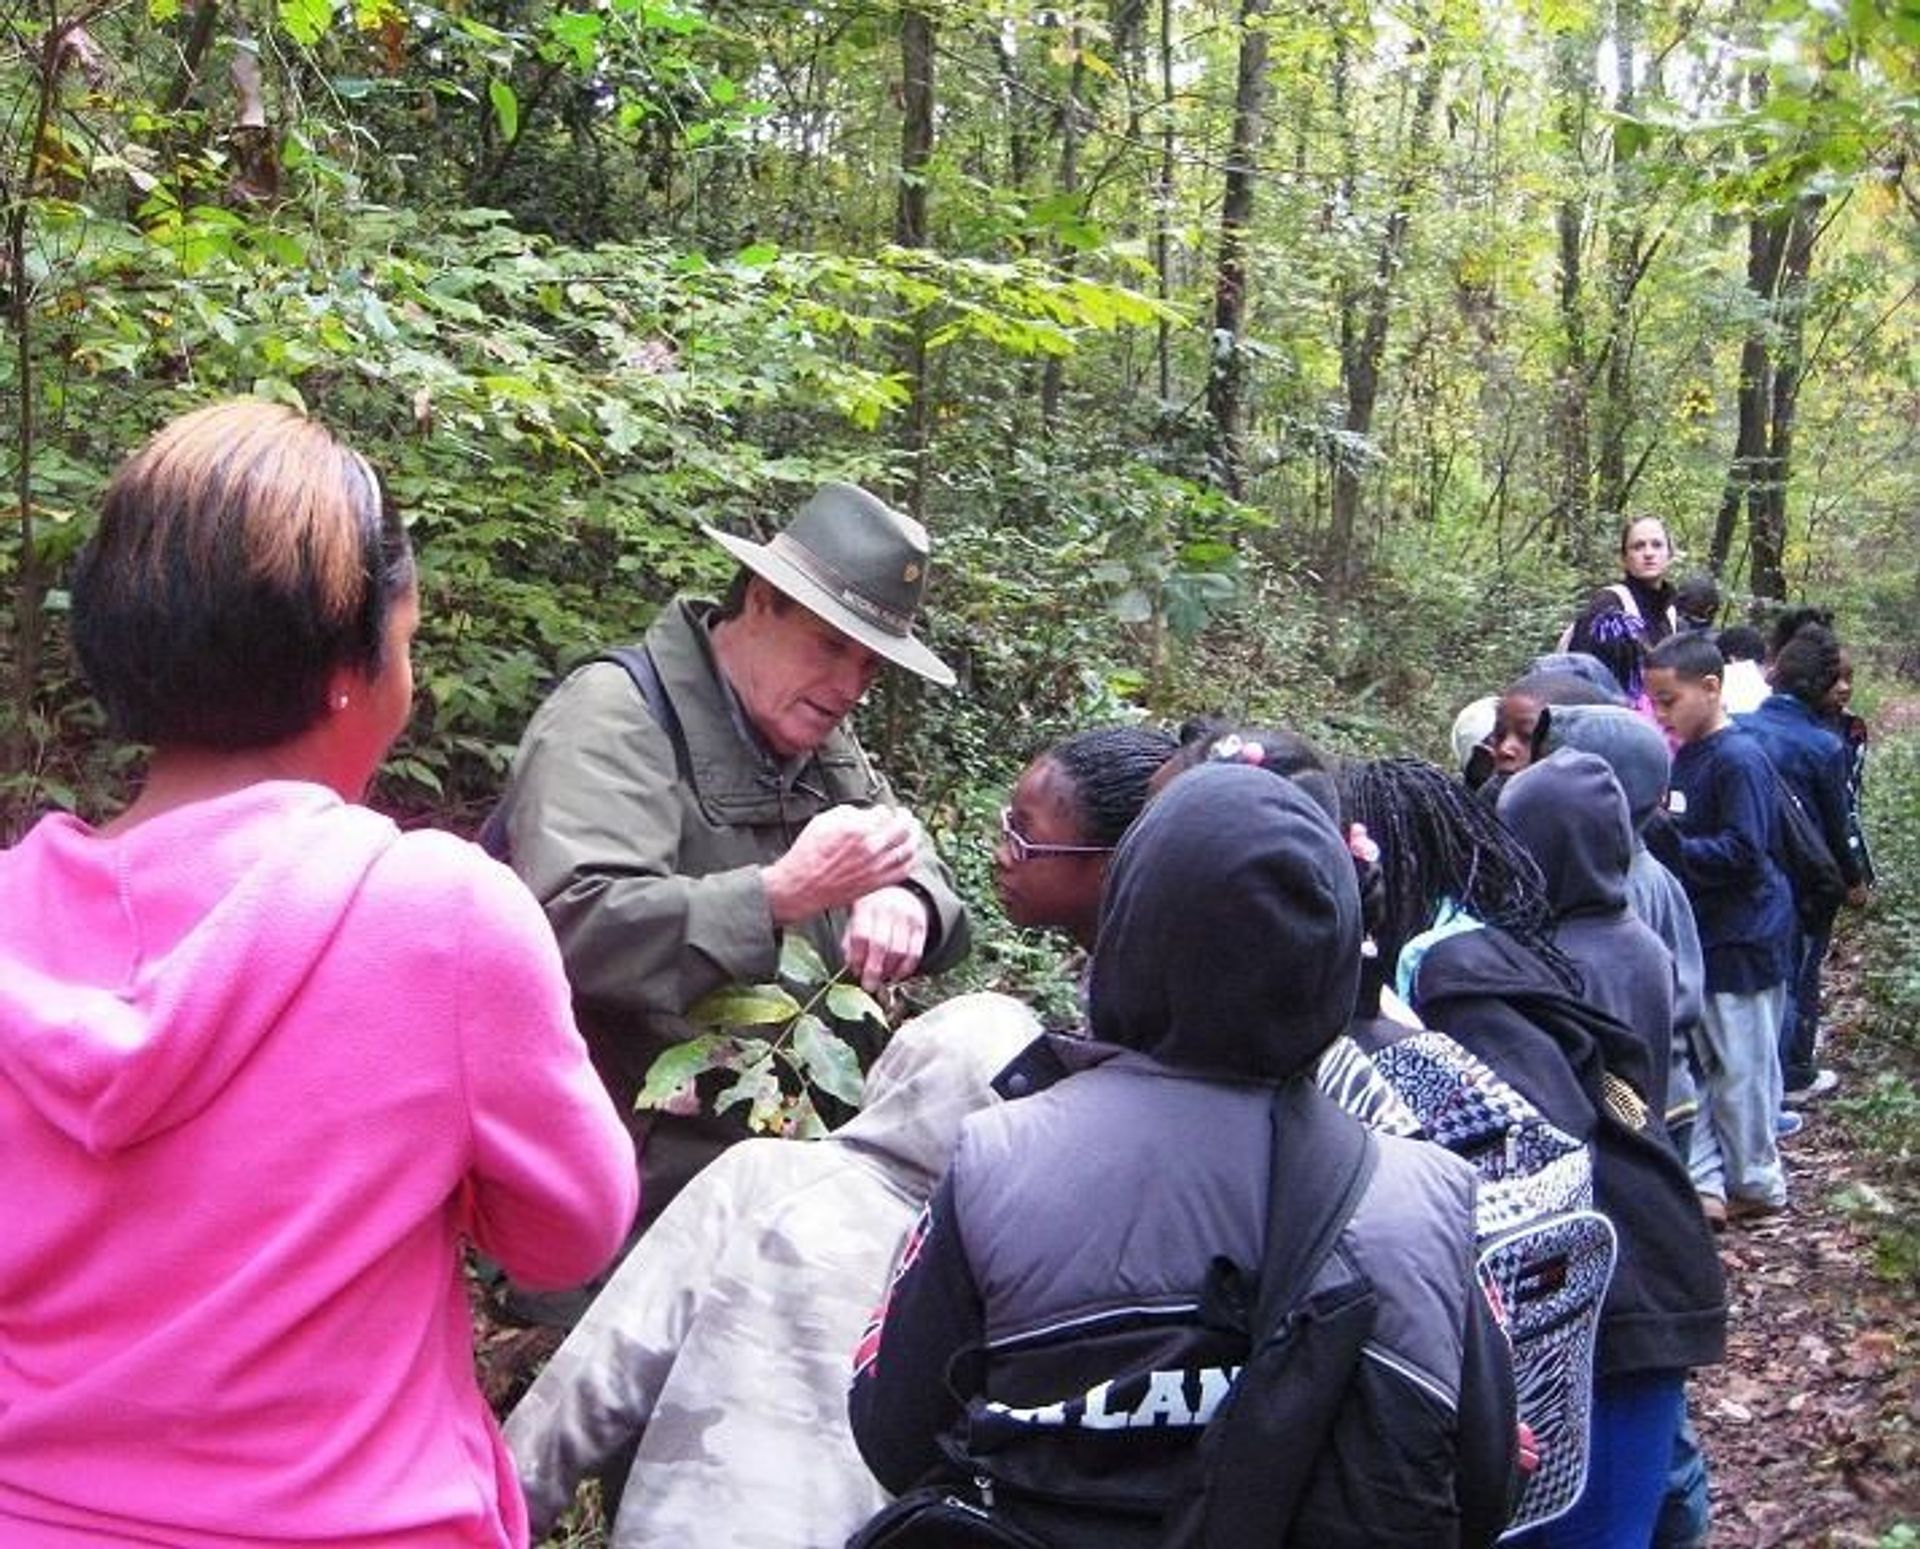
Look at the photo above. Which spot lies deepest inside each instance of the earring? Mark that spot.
(340, 702)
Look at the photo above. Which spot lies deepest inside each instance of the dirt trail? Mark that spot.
(1812, 1427)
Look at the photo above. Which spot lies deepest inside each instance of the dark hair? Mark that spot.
(243, 556)
(1698, 596)
(1438, 842)
(1109, 768)
(1692, 656)
(1617, 639)
(1281, 752)
(1789, 623)
(1808, 665)
(733, 601)
(1741, 643)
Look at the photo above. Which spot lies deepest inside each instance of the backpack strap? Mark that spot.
(640, 667)
(638, 663)
(1258, 1455)
(1323, 1160)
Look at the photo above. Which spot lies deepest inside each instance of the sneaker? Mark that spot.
(1787, 1124)
(1823, 1082)
(1714, 1208)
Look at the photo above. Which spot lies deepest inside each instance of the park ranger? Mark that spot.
(678, 809)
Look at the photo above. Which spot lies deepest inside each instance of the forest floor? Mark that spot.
(1812, 1426)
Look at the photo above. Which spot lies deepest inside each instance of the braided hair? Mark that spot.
(1278, 751)
(1431, 840)
(1439, 842)
(1108, 768)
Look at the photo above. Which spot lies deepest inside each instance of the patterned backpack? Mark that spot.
(1546, 1256)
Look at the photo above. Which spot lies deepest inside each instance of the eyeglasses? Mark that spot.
(1024, 849)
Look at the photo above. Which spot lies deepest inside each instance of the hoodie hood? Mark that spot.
(1569, 812)
(1578, 664)
(1633, 748)
(934, 1072)
(139, 971)
(1230, 929)
(1471, 727)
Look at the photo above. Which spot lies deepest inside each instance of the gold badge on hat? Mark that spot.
(911, 573)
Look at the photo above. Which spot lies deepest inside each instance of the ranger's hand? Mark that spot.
(843, 855)
(885, 937)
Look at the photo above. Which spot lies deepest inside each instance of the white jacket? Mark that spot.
(725, 1343)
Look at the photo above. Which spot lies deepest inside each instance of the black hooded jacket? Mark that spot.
(1666, 1309)
(1571, 814)
(1046, 1325)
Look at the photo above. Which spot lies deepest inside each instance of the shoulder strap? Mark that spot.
(1323, 1160)
(639, 664)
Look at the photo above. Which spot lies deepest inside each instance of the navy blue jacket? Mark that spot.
(1813, 762)
(1724, 803)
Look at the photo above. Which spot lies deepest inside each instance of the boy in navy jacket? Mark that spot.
(1723, 805)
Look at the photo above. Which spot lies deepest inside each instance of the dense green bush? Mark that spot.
(1884, 1117)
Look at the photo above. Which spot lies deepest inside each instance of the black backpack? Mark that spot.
(1260, 1456)
(638, 662)
(1801, 851)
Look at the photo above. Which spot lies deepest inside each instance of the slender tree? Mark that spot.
(1365, 315)
(910, 230)
(1226, 374)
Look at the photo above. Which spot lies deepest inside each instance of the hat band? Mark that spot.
(838, 586)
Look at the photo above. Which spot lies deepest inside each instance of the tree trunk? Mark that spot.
(1013, 95)
(1573, 451)
(31, 579)
(910, 230)
(1363, 335)
(1767, 497)
(1226, 372)
(1053, 375)
(1163, 201)
(1627, 258)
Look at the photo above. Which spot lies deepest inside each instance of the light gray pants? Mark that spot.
(1735, 1154)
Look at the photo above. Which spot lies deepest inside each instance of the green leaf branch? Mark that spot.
(776, 1043)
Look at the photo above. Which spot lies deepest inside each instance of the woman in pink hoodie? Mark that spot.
(265, 1061)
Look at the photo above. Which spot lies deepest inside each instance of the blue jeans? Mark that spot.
(1686, 1516)
(1800, 1018)
(1733, 1150)
(1635, 1421)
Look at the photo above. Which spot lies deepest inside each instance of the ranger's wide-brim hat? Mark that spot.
(856, 562)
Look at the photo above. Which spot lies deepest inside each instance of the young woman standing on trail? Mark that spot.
(265, 1060)
(1643, 592)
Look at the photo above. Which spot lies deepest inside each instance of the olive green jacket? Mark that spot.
(653, 881)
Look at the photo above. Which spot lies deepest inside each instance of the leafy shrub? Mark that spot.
(1884, 1119)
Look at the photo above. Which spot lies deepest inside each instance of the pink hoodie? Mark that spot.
(264, 1061)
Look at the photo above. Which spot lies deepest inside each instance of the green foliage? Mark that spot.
(581, 280)
(1892, 931)
(1884, 1119)
(772, 1046)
